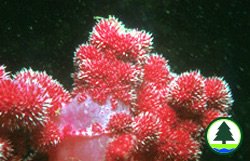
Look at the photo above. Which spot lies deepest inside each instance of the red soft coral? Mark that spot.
(59, 96)
(146, 127)
(120, 123)
(46, 138)
(103, 77)
(5, 149)
(127, 45)
(187, 93)
(121, 148)
(126, 105)
(177, 145)
(23, 105)
(157, 71)
(218, 94)
(3, 74)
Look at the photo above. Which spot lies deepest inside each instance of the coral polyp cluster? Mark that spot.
(28, 101)
(126, 104)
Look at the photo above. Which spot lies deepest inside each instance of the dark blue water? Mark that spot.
(224, 150)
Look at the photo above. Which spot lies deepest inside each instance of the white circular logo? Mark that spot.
(223, 135)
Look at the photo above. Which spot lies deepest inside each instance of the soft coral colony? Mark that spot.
(126, 104)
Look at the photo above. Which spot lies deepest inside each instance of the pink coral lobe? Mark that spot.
(85, 135)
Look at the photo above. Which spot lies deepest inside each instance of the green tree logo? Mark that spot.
(224, 133)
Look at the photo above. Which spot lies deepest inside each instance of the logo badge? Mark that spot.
(223, 136)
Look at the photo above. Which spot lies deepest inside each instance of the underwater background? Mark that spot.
(212, 36)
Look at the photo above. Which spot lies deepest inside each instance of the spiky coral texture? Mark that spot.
(121, 148)
(120, 123)
(3, 74)
(5, 149)
(127, 103)
(218, 94)
(59, 97)
(23, 105)
(46, 138)
(29, 100)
